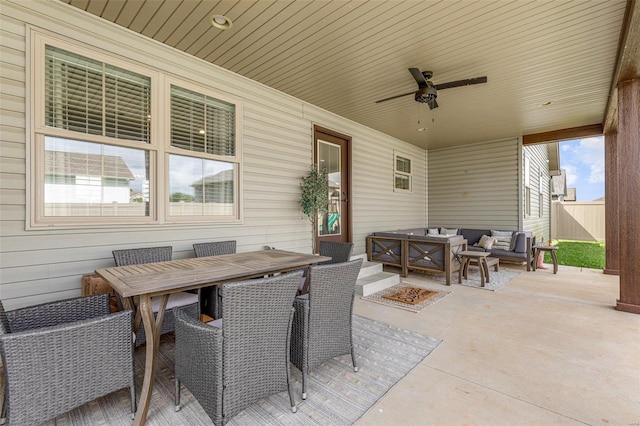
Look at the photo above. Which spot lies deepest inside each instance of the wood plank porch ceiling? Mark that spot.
(344, 55)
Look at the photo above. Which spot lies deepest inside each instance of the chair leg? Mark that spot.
(132, 390)
(3, 412)
(304, 384)
(288, 356)
(176, 401)
(353, 360)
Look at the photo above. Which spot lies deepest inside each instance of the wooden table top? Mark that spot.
(476, 254)
(179, 275)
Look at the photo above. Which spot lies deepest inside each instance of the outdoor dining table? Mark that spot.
(163, 278)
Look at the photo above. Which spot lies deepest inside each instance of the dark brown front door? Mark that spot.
(332, 152)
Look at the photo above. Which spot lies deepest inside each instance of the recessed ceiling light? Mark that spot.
(221, 22)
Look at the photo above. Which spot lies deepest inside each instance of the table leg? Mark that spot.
(152, 327)
(460, 270)
(536, 253)
(484, 267)
(555, 261)
(465, 273)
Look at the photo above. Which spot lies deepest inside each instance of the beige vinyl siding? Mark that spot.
(538, 225)
(475, 186)
(38, 265)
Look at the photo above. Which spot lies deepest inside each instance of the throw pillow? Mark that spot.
(503, 239)
(433, 231)
(486, 242)
(445, 231)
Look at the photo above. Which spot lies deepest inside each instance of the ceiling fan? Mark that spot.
(428, 92)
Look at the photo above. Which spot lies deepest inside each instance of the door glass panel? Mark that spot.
(329, 156)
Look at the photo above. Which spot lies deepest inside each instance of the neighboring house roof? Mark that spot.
(62, 163)
(553, 154)
(223, 176)
(559, 184)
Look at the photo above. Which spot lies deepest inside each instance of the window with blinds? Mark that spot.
(203, 181)
(112, 138)
(88, 96)
(202, 124)
(402, 172)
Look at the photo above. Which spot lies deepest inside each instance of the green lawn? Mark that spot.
(578, 253)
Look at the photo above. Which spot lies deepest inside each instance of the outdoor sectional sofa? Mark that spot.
(520, 251)
(413, 249)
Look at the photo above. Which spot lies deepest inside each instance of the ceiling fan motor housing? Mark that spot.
(426, 94)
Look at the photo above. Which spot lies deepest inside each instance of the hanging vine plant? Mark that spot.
(314, 199)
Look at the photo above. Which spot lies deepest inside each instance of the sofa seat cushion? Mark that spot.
(507, 253)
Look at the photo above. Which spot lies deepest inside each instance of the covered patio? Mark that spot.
(544, 349)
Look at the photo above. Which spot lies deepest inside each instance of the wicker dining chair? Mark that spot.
(214, 248)
(322, 320)
(210, 296)
(60, 355)
(338, 251)
(137, 256)
(242, 357)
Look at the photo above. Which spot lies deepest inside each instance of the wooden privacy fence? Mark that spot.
(581, 221)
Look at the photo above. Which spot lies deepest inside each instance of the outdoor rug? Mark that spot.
(498, 279)
(336, 395)
(382, 297)
(410, 295)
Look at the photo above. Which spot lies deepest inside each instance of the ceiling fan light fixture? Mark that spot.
(426, 94)
(221, 22)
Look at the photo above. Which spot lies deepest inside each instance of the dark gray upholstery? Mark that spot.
(228, 368)
(209, 296)
(139, 256)
(322, 321)
(60, 355)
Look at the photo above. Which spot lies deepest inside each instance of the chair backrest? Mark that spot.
(331, 294)
(4, 321)
(257, 318)
(215, 248)
(142, 255)
(339, 251)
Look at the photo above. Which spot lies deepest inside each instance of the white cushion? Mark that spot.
(433, 231)
(175, 299)
(215, 323)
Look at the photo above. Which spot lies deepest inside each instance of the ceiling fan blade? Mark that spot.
(417, 75)
(397, 96)
(461, 83)
(433, 104)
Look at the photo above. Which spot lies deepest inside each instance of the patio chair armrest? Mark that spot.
(90, 357)
(58, 312)
(299, 331)
(198, 359)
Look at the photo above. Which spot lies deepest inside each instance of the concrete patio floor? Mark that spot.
(545, 349)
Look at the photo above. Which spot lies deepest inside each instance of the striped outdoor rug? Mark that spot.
(336, 395)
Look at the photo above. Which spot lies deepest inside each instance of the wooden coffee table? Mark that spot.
(481, 259)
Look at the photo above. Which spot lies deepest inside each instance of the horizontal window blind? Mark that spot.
(201, 123)
(88, 96)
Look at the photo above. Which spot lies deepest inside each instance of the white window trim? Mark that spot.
(405, 156)
(159, 147)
